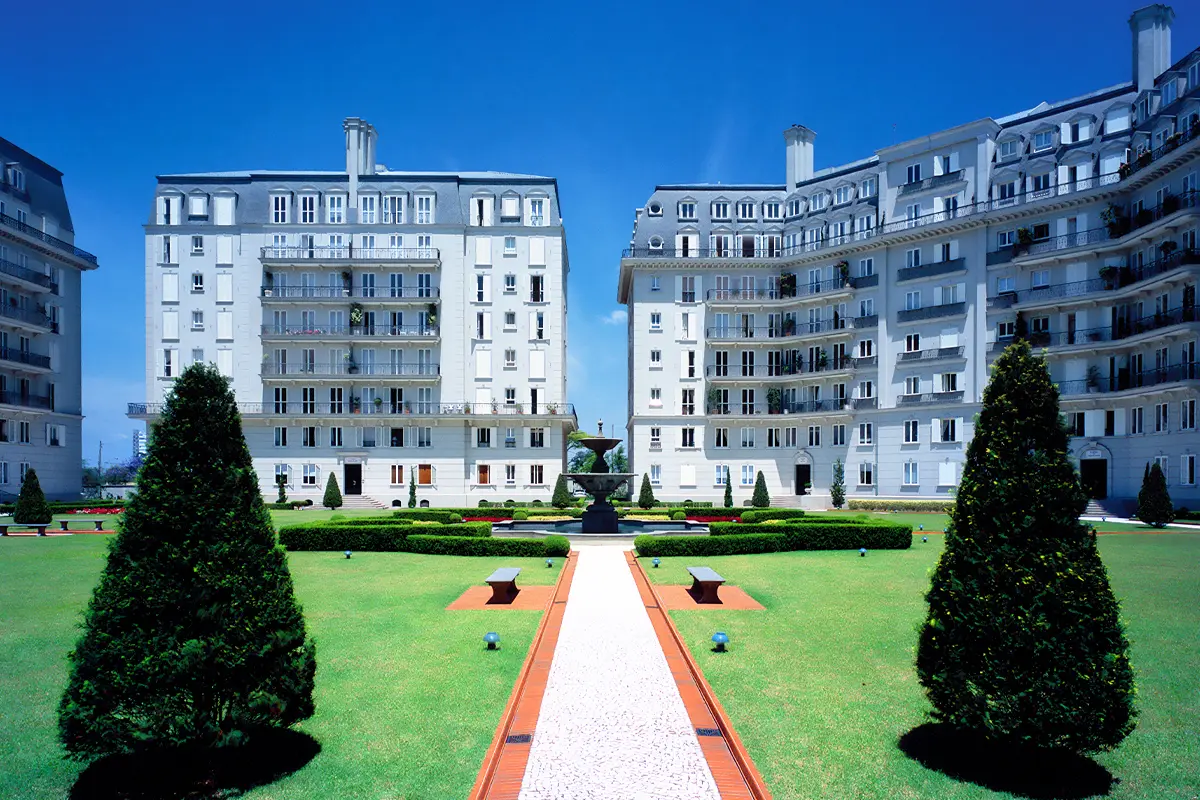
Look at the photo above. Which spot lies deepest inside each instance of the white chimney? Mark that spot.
(799, 154)
(1151, 27)
(360, 146)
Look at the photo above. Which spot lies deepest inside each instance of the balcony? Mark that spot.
(931, 312)
(931, 270)
(787, 370)
(25, 317)
(15, 356)
(46, 239)
(784, 293)
(788, 330)
(929, 398)
(350, 332)
(1118, 278)
(704, 253)
(426, 293)
(311, 256)
(1166, 148)
(1126, 381)
(937, 181)
(868, 321)
(27, 275)
(761, 409)
(418, 370)
(39, 402)
(865, 281)
(385, 408)
(934, 354)
(1124, 330)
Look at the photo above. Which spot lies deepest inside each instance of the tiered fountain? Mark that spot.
(600, 516)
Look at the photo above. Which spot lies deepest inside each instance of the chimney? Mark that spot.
(799, 154)
(1151, 27)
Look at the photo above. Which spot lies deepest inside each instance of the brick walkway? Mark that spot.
(612, 722)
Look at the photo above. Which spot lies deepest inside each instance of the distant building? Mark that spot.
(41, 273)
(139, 444)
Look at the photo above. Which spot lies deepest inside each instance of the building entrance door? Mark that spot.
(803, 477)
(353, 478)
(1093, 476)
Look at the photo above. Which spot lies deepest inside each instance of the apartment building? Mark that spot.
(378, 325)
(41, 273)
(851, 314)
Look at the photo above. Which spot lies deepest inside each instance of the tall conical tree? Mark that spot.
(412, 490)
(32, 508)
(646, 494)
(728, 492)
(837, 489)
(1023, 640)
(1154, 501)
(562, 495)
(761, 497)
(193, 635)
(333, 493)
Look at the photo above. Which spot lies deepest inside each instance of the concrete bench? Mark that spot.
(705, 582)
(504, 584)
(4, 526)
(99, 523)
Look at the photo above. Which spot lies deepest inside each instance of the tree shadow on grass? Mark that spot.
(196, 773)
(1024, 771)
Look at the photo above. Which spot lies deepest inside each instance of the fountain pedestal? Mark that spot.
(600, 516)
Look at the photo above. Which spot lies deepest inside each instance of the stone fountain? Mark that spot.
(600, 516)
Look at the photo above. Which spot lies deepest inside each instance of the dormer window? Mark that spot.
(424, 209)
(720, 210)
(308, 209)
(1168, 93)
(1008, 148)
(841, 195)
(818, 201)
(279, 208)
(771, 210)
(393, 209)
(869, 187)
(656, 244)
(198, 206)
(687, 211)
(15, 177)
(1043, 140)
(795, 207)
(1144, 109)
(745, 210)
(655, 209)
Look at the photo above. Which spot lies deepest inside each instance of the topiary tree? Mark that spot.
(412, 490)
(333, 494)
(193, 636)
(760, 498)
(837, 489)
(562, 495)
(646, 495)
(1154, 501)
(32, 508)
(281, 482)
(1023, 642)
(728, 492)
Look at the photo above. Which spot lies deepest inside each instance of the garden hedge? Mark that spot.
(812, 528)
(940, 506)
(384, 538)
(68, 506)
(428, 515)
(473, 546)
(760, 514)
(778, 539)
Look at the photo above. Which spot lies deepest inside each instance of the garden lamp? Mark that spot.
(924, 538)
(655, 562)
(549, 562)
(862, 551)
(920, 527)
(720, 639)
(493, 640)
(347, 554)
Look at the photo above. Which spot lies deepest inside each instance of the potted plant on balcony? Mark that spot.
(355, 404)
(1093, 379)
(466, 408)
(495, 407)
(774, 400)
(347, 282)
(808, 488)
(787, 284)
(1108, 274)
(552, 408)
(1144, 158)
(1123, 170)
(431, 312)
(1144, 216)
(378, 404)
(356, 315)
(789, 326)
(1166, 248)
(843, 270)
(268, 284)
(1115, 220)
(1170, 203)
(822, 360)
(407, 406)
(1024, 240)
(714, 400)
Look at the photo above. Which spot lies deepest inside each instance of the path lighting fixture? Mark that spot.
(655, 562)
(924, 538)
(493, 640)
(920, 527)
(862, 551)
(549, 562)
(347, 554)
(720, 639)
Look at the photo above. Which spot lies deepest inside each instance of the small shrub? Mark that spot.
(557, 546)
(760, 498)
(429, 515)
(333, 495)
(837, 489)
(32, 508)
(939, 506)
(678, 516)
(1154, 501)
(646, 494)
(520, 516)
(562, 495)
(536, 504)
(687, 503)
(772, 513)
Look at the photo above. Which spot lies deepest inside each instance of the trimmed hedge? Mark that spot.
(940, 506)
(708, 545)
(68, 506)
(557, 545)
(369, 521)
(471, 546)
(429, 515)
(809, 528)
(778, 539)
(385, 538)
(761, 514)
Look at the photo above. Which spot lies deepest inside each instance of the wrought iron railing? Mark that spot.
(417, 370)
(1119, 278)
(24, 357)
(931, 270)
(358, 292)
(26, 400)
(384, 407)
(26, 274)
(1166, 148)
(932, 354)
(783, 331)
(929, 397)
(931, 312)
(30, 316)
(349, 252)
(45, 238)
(1126, 380)
(301, 331)
(785, 370)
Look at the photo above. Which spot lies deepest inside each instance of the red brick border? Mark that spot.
(503, 767)
(732, 768)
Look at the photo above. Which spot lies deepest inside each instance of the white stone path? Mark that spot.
(612, 724)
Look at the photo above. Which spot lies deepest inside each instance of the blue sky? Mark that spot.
(611, 98)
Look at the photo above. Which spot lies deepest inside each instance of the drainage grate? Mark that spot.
(519, 738)
(708, 732)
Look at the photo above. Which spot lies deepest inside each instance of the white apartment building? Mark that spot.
(851, 314)
(377, 325)
(41, 276)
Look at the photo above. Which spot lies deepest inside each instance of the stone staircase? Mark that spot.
(362, 501)
(1105, 508)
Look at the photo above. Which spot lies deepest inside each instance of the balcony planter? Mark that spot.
(1143, 217)
(1168, 247)
(1123, 171)
(1109, 276)
(1170, 204)
(1144, 159)
(378, 403)
(787, 284)
(789, 326)
(822, 360)
(407, 407)
(1024, 240)
(774, 400)
(843, 269)
(1093, 379)
(356, 314)
(1116, 221)
(495, 407)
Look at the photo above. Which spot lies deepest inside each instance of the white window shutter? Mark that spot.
(537, 251)
(170, 287)
(487, 325)
(687, 475)
(483, 363)
(683, 367)
(483, 397)
(678, 288)
(225, 362)
(537, 364)
(170, 326)
(225, 325)
(224, 249)
(946, 474)
(174, 250)
(176, 365)
(935, 431)
(532, 324)
(679, 240)
(959, 430)
(961, 290)
(489, 205)
(224, 287)
(487, 288)
(483, 250)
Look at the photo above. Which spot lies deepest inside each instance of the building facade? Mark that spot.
(851, 314)
(377, 325)
(41, 273)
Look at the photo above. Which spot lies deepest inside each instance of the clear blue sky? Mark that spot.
(611, 98)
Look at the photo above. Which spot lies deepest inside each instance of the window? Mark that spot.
(745, 210)
(774, 437)
(1043, 140)
(866, 389)
(537, 437)
(866, 267)
(335, 211)
(1160, 418)
(308, 436)
(397, 475)
(483, 437)
(656, 397)
(772, 210)
(1008, 148)
(366, 209)
(687, 289)
(688, 402)
(510, 359)
(1136, 420)
(912, 343)
(912, 385)
(425, 437)
(335, 437)
(1187, 415)
(656, 438)
(197, 245)
(721, 437)
(23, 437)
(308, 209)
(817, 201)
(914, 173)
(687, 211)
(1187, 470)
(510, 284)
(197, 282)
(949, 381)
(1041, 183)
(866, 433)
(197, 355)
(866, 474)
(510, 245)
(425, 209)
(747, 437)
(814, 435)
(912, 431)
(279, 208)
(656, 359)
(720, 210)
(869, 187)
(912, 258)
(949, 430)
(747, 475)
(197, 320)
(510, 396)
(794, 207)
(687, 437)
(911, 475)
(655, 283)
(841, 195)
(536, 293)
(537, 212)
(912, 300)
(655, 321)
(839, 435)
(1006, 284)
(656, 474)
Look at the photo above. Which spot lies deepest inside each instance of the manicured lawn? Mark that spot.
(281, 518)
(821, 685)
(936, 523)
(407, 697)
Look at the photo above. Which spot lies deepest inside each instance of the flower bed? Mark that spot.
(108, 510)
(700, 518)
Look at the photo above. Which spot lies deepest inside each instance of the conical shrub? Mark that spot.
(1154, 501)
(333, 493)
(32, 508)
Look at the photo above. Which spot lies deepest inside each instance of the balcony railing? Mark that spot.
(26, 400)
(805, 289)
(929, 397)
(358, 292)
(931, 312)
(1119, 279)
(45, 238)
(702, 252)
(932, 354)
(931, 270)
(325, 331)
(24, 357)
(30, 316)
(783, 331)
(1125, 329)
(386, 407)
(350, 253)
(27, 275)
(777, 370)
(273, 370)
(798, 407)
(1137, 380)
(931, 183)
(1150, 156)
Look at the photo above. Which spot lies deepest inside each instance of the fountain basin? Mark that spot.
(623, 527)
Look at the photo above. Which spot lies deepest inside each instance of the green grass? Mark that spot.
(936, 523)
(821, 684)
(407, 697)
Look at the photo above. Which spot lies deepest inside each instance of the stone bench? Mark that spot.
(4, 526)
(705, 582)
(504, 584)
(62, 523)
